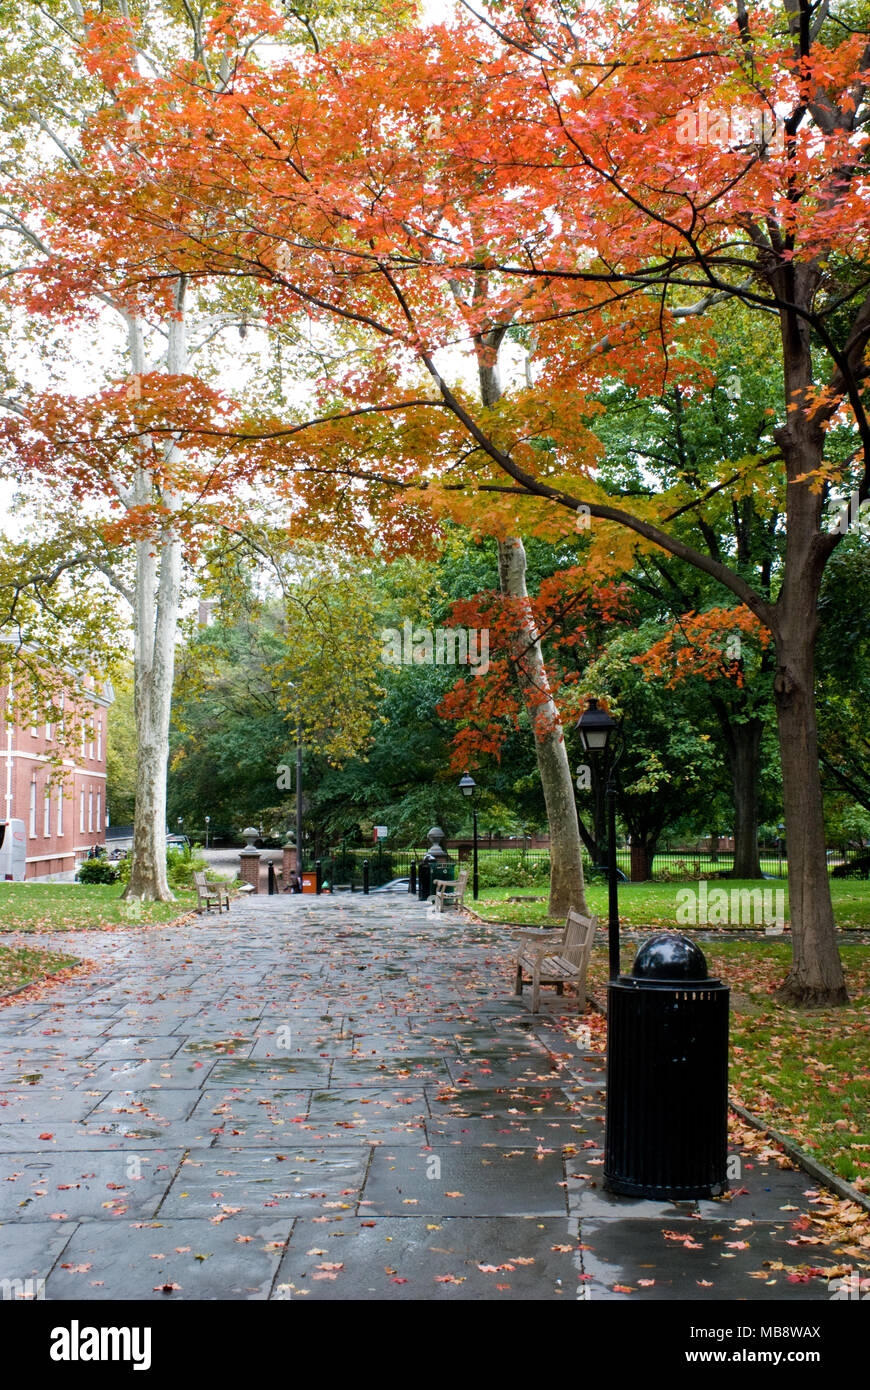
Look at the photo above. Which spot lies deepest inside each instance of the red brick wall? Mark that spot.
(24, 764)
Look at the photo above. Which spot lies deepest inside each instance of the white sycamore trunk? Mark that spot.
(155, 617)
(567, 888)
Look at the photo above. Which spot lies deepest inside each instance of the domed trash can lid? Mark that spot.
(668, 956)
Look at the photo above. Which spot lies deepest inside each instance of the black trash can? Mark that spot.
(666, 1134)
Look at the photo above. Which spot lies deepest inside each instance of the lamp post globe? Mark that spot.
(595, 727)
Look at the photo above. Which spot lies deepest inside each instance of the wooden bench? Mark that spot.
(208, 892)
(449, 894)
(553, 958)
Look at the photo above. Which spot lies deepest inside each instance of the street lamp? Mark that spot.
(207, 824)
(291, 685)
(468, 787)
(596, 729)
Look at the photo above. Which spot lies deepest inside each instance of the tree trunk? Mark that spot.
(566, 864)
(156, 616)
(155, 621)
(816, 970)
(743, 748)
(567, 889)
(816, 975)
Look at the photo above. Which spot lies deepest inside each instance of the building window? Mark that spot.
(60, 812)
(99, 738)
(91, 809)
(46, 814)
(82, 811)
(33, 809)
(99, 811)
(47, 729)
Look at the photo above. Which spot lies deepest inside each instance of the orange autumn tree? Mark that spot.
(537, 650)
(597, 182)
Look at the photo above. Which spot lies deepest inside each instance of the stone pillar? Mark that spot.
(639, 864)
(250, 868)
(249, 859)
(289, 862)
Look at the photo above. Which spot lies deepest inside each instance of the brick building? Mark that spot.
(63, 817)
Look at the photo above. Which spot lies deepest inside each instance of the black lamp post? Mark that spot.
(596, 729)
(207, 824)
(469, 787)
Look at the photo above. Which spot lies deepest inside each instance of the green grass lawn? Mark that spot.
(23, 965)
(61, 907)
(807, 1072)
(655, 904)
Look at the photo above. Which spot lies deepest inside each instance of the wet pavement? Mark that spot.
(341, 1098)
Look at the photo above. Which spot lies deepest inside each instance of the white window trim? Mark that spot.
(46, 814)
(33, 808)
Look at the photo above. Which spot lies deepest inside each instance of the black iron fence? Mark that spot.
(521, 867)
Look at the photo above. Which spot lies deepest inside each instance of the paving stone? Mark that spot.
(28, 1251)
(290, 1075)
(412, 1070)
(465, 1181)
(502, 1071)
(153, 1103)
(446, 1259)
(142, 1049)
(694, 1260)
(233, 1260)
(18, 1049)
(234, 1115)
(181, 1072)
(302, 1181)
(44, 1103)
(388, 1115)
(102, 1133)
(78, 1184)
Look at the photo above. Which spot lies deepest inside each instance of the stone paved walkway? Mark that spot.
(337, 1098)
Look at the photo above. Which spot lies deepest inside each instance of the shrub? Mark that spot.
(514, 873)
(97, 871)
(181, 865)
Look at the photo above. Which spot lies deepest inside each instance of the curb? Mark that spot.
(11, 993)
(810, 1165)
